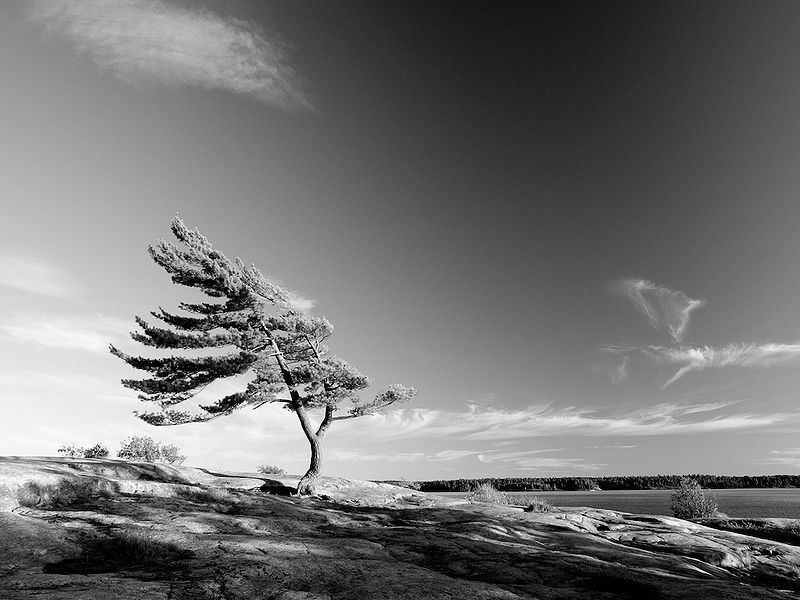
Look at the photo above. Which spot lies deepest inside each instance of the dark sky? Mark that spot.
(573, 225)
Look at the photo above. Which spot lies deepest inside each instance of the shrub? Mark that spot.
(270, 470)
(486, 492)
(96, 451)
(538, 505)
(169, 454)
(73, 451)
(145, 449)
(690, 501)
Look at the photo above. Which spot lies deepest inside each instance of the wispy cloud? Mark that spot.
(89, 333)
(529, 460)
(614, 364)
(340, 454)
(350, 455)
(301, 302)
(37, 277)
(786, 457)
(614, 447)
(664, 308)
(490, 425)
(732, 355)
(152, 40)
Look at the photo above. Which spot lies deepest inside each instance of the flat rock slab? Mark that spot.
(355, 540)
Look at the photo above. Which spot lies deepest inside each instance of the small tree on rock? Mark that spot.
(171, 454)
(280, 346)
(141, 448)
(146, 449)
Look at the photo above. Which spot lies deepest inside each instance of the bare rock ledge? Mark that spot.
(106, 529)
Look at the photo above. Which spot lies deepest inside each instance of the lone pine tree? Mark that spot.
(279, 345)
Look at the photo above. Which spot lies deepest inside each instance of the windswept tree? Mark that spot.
(251, 327)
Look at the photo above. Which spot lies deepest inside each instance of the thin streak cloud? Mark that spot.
(143, 41)
(489, 425)
(38, 277)
(89, 333)
(664, 308)
(527, 460)
(732, 355)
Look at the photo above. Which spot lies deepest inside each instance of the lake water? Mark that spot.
(772, 502)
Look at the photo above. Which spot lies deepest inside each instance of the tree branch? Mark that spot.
(326, 421)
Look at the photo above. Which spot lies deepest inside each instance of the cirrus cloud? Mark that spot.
(38, 277)
(91, 333)
(481, 424)
(732, 355)
(664, 308)
(152, 40)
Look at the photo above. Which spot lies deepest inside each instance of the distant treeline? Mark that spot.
(630, 482)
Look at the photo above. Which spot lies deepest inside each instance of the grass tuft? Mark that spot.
(537, 505)
(486, 492)
(140, 547)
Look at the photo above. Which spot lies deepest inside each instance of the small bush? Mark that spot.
(486, 492)
(145, 449)
(538, 505)
(96, 451)
(73, 451)
(170, 454)
(690, 501)
(270, 470)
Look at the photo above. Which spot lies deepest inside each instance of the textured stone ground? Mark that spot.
(202, 536)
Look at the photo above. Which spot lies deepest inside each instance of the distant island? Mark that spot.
(578, 484)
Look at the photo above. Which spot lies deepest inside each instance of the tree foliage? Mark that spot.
(253, 327)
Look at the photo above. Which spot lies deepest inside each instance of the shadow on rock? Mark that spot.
(127, 550)
(278, 488)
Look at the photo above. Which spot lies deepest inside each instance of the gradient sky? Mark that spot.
(573, 226)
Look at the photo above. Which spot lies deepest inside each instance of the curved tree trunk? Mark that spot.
(308, 481)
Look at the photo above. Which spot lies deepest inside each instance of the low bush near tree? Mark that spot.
(690, 501)
(145, 449)
(270, 470)
(73, 451)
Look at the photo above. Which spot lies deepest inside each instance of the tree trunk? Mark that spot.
(309, 480)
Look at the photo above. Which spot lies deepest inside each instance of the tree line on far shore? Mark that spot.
(625, 482)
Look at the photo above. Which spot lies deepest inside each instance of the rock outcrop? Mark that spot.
(103, 529)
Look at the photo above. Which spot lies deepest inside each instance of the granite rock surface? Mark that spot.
(103, 529)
